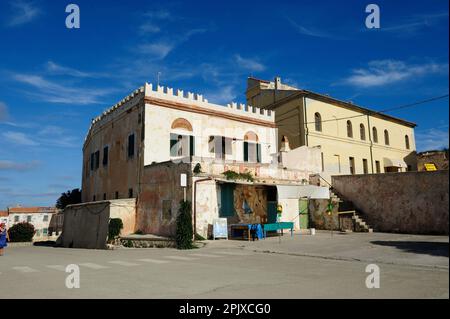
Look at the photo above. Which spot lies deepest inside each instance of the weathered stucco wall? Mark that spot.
(411, 202)
(86, 225)
(161, 190)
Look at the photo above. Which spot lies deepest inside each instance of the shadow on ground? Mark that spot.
(417, 247)
(48, 243)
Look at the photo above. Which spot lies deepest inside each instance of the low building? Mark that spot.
(432, 160)
(39, 217)
(229, 156)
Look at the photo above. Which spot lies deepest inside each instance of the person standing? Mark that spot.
(3, 237)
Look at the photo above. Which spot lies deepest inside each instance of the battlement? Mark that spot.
(167, 93)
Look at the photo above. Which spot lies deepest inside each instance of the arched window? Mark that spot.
(318, 122)
(362, 132)
(375, 134)
(181, 139)
(252, 149)
(349, 129)
(386, 137)
(407, 142)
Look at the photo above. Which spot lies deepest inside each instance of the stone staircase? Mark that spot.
(349, 219)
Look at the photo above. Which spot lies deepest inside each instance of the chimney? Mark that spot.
(277, 83)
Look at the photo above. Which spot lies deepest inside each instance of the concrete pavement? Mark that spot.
(236, 269)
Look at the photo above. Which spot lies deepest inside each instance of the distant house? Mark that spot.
(432, 160)
(39, 217)
(4, 217)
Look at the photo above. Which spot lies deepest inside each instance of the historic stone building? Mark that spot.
(229, 155)
(353, 139)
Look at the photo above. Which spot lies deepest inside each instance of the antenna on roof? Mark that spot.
(157, 76)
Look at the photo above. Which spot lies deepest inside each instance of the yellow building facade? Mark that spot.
(353, 140)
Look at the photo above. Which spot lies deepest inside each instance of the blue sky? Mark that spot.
(53, 80)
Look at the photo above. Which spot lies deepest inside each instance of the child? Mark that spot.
(3, 237)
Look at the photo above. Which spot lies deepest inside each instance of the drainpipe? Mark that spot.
(195, 201)
(371, 143)
(306, 121)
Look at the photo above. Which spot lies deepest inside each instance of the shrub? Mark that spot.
(21, 232)
(115, 226)
(184, 230)
(232, 175)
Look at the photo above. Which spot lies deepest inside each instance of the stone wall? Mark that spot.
(409, 202)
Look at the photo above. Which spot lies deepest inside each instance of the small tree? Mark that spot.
(184, 231)
(114, 228)
(21, 232)
(69, 198)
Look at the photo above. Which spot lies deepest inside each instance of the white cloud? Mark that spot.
(14, 166)
(24, 12)
(53, 92)
(19, 138)
(149, 27)
(158, 50)
(311, 32)
(57, 69)
(415, 23)
(3, 112)
(431, 139)
(383, 72)
(249, 64)
(222, 95)
(158, 15)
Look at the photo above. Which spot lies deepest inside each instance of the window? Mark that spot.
(92, 161)
(378, 167)
(104, 196)
(365, 167)
(45, 231)
(131, 146)
(407, 142)
(130, 193)
(16, 219)
(45, 219)
(97, 159)
(318, 122)
(116, 195)
(166, 209)
(29, 219)
(349, 129)
(352, 165)
(375, 134)
(362, 132)
(105, 156)
(386, 137)
(252, 149)
(181, 145)
(93, 198)
(220, 146)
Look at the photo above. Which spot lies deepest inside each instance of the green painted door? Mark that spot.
(303, 213)
(226, 200)
(271, 212)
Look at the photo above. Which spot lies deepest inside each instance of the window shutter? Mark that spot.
(191, 146)
(245, 151)
(258, 153)
(173, 143)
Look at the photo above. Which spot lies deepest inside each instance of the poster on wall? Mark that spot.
(220, 228)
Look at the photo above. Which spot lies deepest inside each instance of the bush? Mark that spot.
(115, 226)
(184, 231)
(21, 232)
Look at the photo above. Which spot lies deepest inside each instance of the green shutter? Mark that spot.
(258, 153)
(245, 151)
(191, 146)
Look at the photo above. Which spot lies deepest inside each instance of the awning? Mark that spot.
(394, 162)
(301, 191)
